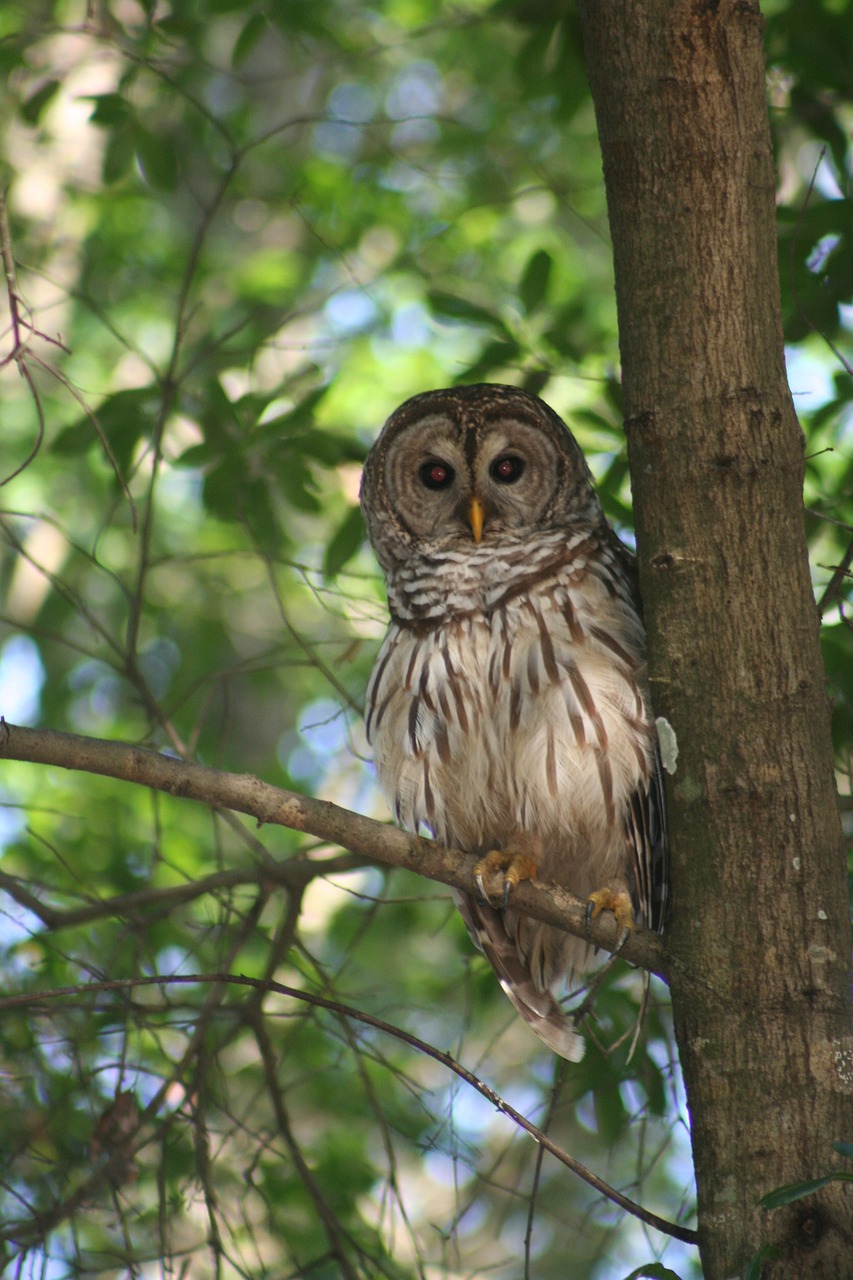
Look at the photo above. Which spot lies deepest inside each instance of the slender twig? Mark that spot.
(326, 821)
(310, 650)
(845, 364)
(291, 873)
(834, 586)
(222, 980)
(325, 1213)
(17, 308)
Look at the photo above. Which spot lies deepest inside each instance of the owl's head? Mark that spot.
(469, 464)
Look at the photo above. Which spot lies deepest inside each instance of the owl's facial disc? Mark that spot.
(462, 483)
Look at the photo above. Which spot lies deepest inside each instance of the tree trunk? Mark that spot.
(759, 936)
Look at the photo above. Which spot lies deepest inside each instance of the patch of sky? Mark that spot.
(158, 663)
(173, 960)
(809, 377)
(321, 735)
(98, 691)
(416, 91)
(410, 325)
(350, 311)
(821, 251)
(352, 101)
(337, 138)
(472, 1113)
(414, 132)
(22, 677)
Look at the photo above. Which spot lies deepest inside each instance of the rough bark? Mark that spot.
(759, 927)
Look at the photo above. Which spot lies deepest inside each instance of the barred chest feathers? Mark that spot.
(510, 715)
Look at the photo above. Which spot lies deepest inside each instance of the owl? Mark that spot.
(508, 710)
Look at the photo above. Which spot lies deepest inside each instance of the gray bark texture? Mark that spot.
(759, 938)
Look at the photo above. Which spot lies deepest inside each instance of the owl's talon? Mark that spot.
(511, 867)
(616, 900)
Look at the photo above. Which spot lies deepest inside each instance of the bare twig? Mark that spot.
(219, 981)
(291, 873)
(834, 587)
(804, 315)
(20, 325)
(325, 1213)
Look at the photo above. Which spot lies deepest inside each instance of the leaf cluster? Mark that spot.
(254, 227)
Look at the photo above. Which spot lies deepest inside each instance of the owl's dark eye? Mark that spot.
(507, 470)
(436, 475)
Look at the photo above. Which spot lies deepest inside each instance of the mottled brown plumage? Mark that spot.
(508, 708)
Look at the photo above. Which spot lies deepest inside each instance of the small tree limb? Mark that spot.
(267, 985)
(328, 822)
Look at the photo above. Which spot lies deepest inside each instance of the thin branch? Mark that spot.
(20, 324)
(221, 980)
(290, 873)
(804, 315)
(836, 582)
(328, 822)
(331, 1226)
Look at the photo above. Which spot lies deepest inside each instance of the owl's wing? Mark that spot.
(539, 1009)
(645, 830)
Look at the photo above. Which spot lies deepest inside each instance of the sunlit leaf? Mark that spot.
(453, 307)
(534, 281)
(344, 542)
(157, 155)
(34, 105)
(797, 1190)
(248, 38)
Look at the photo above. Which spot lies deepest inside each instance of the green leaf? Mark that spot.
(35, 104)
(344, 543)
(157, 156)
(118, 155)
(110, 109)
(610, 1113)
(495, 355)
(754, 1268)
(844, 1149)
(456, 308)
(798, 1190)
(654, 1271)
(248, 38)
(534, 281)
(297, 418)
(123, 418)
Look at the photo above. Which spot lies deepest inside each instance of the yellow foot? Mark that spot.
(615, 900)
(512, 868)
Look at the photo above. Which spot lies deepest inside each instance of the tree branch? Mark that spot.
(362, 836)
(266, 985)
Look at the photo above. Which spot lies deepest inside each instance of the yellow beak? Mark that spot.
(476, 516)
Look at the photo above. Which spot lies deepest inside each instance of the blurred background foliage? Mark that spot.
(243, 231)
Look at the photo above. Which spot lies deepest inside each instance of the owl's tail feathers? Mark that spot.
(545, 1017)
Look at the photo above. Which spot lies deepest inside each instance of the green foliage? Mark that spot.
(756, 1267)
(244, 230)
(653, 1271)
(798, 1190)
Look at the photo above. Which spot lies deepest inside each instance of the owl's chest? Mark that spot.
(502, 714)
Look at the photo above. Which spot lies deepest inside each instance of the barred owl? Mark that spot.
(508, 709)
